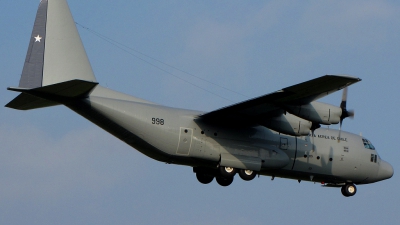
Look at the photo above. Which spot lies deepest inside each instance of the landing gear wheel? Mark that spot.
(223, 181)
(342, 190)
(227, 172)
(247, 174)
(349, 190)
(204, 178)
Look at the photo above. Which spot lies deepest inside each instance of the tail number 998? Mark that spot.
(157, 121)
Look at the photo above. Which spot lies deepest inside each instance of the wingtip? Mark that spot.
(345, 76)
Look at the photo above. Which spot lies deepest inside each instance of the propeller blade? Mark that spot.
(344, 98)
(345, 113)
(343, 105)
(350, 113)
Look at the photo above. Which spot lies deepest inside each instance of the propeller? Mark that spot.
(345, 113)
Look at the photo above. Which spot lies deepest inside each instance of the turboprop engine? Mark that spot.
(289, 124)
(308, 117)
(317, 112)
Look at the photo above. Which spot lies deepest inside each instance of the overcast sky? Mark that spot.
(58, 168)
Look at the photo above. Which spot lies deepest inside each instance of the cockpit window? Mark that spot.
(368, 144)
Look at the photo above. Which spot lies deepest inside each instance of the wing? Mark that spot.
(270, 105)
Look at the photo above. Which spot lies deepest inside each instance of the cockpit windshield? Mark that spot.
(368, 144)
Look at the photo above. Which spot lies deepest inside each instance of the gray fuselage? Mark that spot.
(177, 136)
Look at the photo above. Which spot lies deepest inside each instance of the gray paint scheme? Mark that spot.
(207, 141)
(33, 68)
(65, 57)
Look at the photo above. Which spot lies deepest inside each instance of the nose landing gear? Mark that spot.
(349, 190)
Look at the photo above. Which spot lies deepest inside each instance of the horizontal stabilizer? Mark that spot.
(50, 95)
(27, 102)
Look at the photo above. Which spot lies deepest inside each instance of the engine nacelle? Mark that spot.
(289, 124)
(317, 112)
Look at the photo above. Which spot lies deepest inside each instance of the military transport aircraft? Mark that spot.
(277, 135)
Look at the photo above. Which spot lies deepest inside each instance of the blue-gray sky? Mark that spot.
(57, 168)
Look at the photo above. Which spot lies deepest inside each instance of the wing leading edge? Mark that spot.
(271, 105)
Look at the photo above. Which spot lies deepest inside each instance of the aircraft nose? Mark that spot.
(385, 170)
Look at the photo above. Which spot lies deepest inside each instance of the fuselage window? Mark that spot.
(368, 144)
(374, 158)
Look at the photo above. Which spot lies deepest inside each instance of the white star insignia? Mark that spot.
(37, 38)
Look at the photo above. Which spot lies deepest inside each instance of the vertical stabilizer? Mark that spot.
(56, 69)
(55, 52)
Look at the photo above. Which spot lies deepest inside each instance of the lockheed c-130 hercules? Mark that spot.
(277, 135)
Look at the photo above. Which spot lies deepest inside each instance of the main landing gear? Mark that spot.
(247, 175)
(223, 175)
(349, 190)
(224, 181)
(204, 178)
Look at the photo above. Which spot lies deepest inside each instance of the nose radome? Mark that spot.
(385, 170)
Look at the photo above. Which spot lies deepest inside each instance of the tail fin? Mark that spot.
(55, 55)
